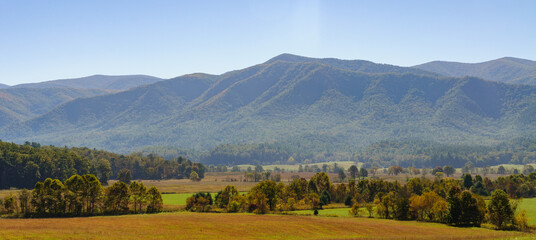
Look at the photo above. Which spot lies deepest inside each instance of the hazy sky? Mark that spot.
(46, 40)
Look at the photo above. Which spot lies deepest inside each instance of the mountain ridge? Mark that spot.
(98, 81)
(280, 100)
(506, 69)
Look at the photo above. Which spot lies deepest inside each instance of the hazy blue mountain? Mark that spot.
(510, 70)
(300, 101)
(19, 104)
(3, 86)
(352, 65)
(96, 82)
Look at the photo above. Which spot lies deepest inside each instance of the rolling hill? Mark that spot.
(338, 104)
(508, 69)
(19, 104)
(96, 82)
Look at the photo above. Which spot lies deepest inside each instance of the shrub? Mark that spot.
(354, 211)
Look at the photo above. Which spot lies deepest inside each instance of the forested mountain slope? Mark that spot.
(96, 82)
(295, 100)
(19, 104)
(508, 69)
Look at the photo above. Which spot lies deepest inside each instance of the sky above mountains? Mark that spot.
(64, 39)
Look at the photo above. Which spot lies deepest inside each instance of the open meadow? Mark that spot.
(184, 225)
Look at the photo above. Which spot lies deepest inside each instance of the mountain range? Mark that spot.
(122, 82)
(508, 69)
(25, 101)
(341, 105)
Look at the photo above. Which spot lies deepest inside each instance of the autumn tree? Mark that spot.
(320, 182)
(225, 196)
(194, 177)
(271, 192)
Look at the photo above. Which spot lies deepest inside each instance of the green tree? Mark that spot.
(501, 170)
(93, 192)
(473, 208)
(467, 181)
(342, 175)
(363, 172)
(125, 176)
(10, 204)
(455, 207)
(138, 193)
(325, 198)
(224, 197)
(117, 198)
(500, 211)
(199, 202)
(449, 170)
(154, 200)
(24, 201)
(76, 197)
(353, 171)
(104, 170)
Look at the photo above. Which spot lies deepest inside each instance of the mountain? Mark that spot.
(509, 70)
(19, 104)
(96, 82)
(325, 104)
(351, 65)
(3, 86)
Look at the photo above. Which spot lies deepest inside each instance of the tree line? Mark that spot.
(21, 166)
(427, 154)
(82, 196)
(402, 152)
(451, 201)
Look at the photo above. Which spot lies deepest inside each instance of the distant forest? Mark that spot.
(406, 153)
(22, 166)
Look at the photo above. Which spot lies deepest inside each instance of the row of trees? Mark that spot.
(450, 201)
(83, 196)
(21, 166)
(427, 154)
(310, 148)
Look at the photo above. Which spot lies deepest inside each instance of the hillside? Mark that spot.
(20, 104)
(96, 82)
(303, 103)
(3, 86)
(509, 70)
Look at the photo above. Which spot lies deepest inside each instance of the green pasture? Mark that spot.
(340, 212)
(529, 205)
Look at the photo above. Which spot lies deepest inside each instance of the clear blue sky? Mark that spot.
(46, 40)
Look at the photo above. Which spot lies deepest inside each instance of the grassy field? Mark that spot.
(176, 198)
(185, 225)
(340, 212)
(529, 205)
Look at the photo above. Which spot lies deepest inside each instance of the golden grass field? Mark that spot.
(184, 225)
